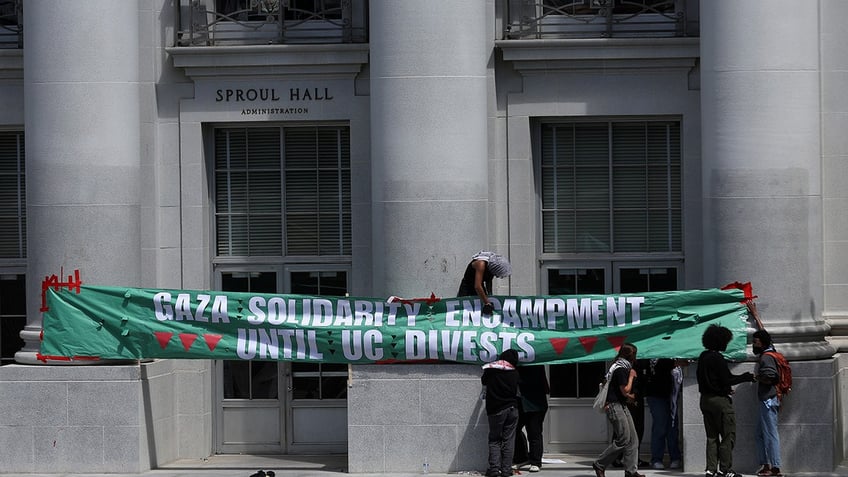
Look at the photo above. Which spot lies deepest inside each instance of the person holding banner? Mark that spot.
(715, 383)
(477, 279)
(501, 380)
(621, 377)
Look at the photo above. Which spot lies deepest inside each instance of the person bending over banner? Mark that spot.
(621, 377)
(715, 383)
(501, 380)
(477, 279)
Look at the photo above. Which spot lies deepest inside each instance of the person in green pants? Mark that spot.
(715, 383)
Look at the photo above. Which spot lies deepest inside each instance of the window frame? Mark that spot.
(538, 125)
(283, 256)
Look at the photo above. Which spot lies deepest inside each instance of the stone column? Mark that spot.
(428, 142)
(81, 67)
(429, 146)
(763, 219)
(760, 101)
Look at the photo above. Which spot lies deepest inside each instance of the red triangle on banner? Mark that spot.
(163, 337)
(617, 341)
(212, 341)
(187, 339)
(559, 344)
(588, 343)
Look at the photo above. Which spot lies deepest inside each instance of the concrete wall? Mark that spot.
(110, 418)
(401, 416)
(806, 421)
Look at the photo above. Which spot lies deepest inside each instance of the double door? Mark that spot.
(572, 426)
(280, 407)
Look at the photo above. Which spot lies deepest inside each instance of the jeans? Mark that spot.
(662, 434)
(720, 425)
(624, 439)
(532, 422)
(767, 438)
(502, 426)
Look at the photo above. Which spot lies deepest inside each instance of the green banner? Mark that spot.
(95, 322)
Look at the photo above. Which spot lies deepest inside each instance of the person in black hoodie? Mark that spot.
(501, 380)
(715, 383)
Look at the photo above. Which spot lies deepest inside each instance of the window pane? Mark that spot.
(12, 195)
(329, 283)
(253, 194)
(589, 375)
(584, 281)
(646, 279)
(564, 380)
(575, 380)
(611, 187)
(263, 379)
(237, 379)
(250, 379)
(12, 315)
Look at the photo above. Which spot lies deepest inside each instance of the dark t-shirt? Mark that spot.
(659, 381)
(619, 378)
(466, 286)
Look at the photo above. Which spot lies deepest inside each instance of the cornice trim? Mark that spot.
(528, 56)
(270, 60)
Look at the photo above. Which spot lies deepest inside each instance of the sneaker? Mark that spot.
(775, 472)
(711, 473)
(534, 468)
(764, 470)
(657, 466)
(675, 464)
(521, 466)
(731, 473)
(599, 471)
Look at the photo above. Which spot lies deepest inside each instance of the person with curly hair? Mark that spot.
(715, 383)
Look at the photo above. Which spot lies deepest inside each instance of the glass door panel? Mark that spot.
(317, 392)
(251, 409)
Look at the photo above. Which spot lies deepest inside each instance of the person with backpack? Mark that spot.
(767, 375)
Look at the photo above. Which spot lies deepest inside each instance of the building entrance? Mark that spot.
(280, 407)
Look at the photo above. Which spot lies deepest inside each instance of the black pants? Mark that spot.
(532, 422)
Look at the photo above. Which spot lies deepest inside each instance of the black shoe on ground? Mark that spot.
(730, 473)
(644, 464)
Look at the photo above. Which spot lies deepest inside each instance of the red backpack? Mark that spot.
(784, 374)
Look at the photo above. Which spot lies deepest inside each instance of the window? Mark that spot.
(12, 196)
(576, 380)
(319, 380)
(12, 315)
(12, 244)
(611, 218)
(250, 379)
(282, 191)
(611, 187)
